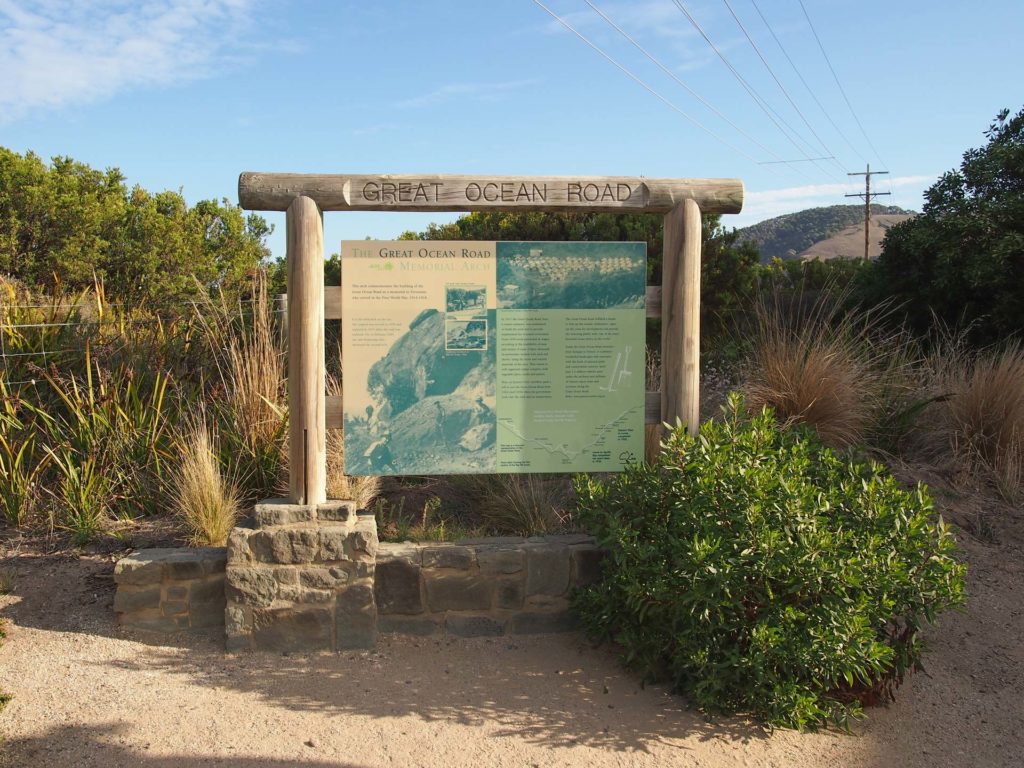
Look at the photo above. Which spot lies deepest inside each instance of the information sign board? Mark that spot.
(489, 357)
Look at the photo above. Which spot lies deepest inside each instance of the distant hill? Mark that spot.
(835, 231)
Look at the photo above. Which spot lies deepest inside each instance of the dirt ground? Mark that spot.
(87, 693)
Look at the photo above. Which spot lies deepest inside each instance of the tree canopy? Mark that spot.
(68, 224)
(963, 257)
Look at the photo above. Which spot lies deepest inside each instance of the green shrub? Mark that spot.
(760, 572)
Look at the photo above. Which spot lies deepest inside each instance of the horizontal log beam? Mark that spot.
(332, 302)
(450, 192)
(335, 417)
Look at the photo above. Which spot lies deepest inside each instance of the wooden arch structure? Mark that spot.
(305, 198)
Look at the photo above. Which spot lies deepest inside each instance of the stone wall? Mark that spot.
(481, 587)
(171, 590)
(301, 579)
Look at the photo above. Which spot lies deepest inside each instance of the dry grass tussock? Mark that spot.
(207, 501)
(525, 505)
(813, 362)
(975, 423)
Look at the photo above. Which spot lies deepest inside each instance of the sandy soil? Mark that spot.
(87, 693)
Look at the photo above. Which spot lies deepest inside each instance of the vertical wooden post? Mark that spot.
(307, 422)
(680, 316)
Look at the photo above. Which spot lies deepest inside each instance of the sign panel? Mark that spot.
(483, 357)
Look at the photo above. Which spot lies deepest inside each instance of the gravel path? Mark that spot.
(87, 693)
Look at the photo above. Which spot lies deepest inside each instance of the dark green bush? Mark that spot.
(759, 572)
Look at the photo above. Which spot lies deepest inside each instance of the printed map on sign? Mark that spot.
(478, 357)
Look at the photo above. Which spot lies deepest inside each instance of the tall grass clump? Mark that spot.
(248, 391)
(817, 363)
(976, 422)
(22, 459)
(206, 500)
(524, 505)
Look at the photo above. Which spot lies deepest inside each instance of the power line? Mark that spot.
(838, 84)
(765, 107)
(806, 85)
(807, 160)
(640, 82)
(689, 90)
(778, 82)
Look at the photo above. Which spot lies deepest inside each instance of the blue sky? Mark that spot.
(188, 93)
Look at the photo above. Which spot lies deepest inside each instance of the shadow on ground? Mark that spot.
(100, 744)
(551, 690)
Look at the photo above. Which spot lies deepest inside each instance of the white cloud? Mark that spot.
(56, 53)
(476, 91)
(758, 206)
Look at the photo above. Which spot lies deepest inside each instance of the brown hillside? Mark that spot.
(849, 242)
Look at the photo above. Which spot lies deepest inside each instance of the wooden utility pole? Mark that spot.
(867, 194)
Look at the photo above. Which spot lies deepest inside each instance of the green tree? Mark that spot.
(66, 224)
(963, 257)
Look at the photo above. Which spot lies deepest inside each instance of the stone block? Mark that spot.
(547, 570)
(509, 593)
(493, 541)
(251, 585)
(131, 599)
(177, 592)
(185, 565)
(315, 596)
(174, 608)
(145, 566)
(542, 623)
(206, 616)
(458, 591)
(500, 560)
(261, 546)
(474, 626)
(356, 618)
(332, 577)
(332, 543)
(448, 556)
(238, 643)
(294, 544)
(397, 587)
(155, 622)
(337, 510)
(547, 603)
(209, 590)
(586, 565)
(569, 539)
(286, 575)
(237, 620)
(362, 570)
(294, 628)
(404, 551)
(282, 512)
(362, 542)
(407, 625)
(239, 551)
